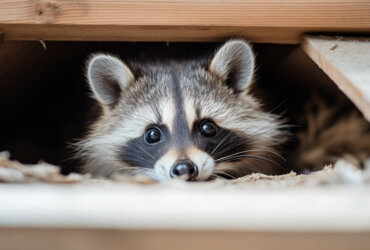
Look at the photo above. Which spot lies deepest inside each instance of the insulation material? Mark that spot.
(343, 172)
(16, 172)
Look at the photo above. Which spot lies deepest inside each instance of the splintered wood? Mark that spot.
(347, 62)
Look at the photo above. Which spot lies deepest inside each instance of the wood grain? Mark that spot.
(347, 62)
(180, 20)
(98, 239)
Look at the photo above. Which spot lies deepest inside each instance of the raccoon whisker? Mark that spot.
(278, 106)
(137, 154)
(251, 150)
(141, 148)
(235, 157)
(218, 145)
(219, 174)
(257, 150)
(268, 151)
(228, 146)
(267, 159)
(138, 161)
(139, 158)
(231, 155)
(256, 157)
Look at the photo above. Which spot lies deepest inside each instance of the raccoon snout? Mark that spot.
(184, 168)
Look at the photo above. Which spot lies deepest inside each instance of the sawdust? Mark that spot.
(343, 172)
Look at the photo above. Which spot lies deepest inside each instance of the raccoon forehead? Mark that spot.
(146, 90)
(134, 123)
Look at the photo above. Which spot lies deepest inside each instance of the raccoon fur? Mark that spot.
(327, 133)
(187, 119)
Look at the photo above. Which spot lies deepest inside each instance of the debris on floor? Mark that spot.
(343, 172)
(16, 172)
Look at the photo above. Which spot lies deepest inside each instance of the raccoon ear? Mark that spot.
(234, 62)
(107, 76)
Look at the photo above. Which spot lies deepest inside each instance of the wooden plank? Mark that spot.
(101, 215)
(179, 206)
(146, 33)
(97, 239)
(174, 20)
(347, 62)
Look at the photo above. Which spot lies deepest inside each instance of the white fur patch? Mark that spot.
(168, 113)
(163, 166)
(190, 113)
(204, 162)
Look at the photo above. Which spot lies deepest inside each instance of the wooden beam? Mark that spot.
(181, 20)
(347, 62)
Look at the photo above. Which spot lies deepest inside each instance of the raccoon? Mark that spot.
(186, 119)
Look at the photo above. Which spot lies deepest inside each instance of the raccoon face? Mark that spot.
(188, 119)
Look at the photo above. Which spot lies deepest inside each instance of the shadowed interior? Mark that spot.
(44, 98)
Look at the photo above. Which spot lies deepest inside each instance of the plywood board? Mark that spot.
(347, 62)
(178, 215)
(180, 20)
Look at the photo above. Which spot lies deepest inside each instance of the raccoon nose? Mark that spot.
(184, 167)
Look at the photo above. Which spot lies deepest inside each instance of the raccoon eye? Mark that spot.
(153, 135)
(208, 128)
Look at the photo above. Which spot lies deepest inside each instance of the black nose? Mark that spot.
(184, 168)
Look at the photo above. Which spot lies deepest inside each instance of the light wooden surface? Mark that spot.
(182, 206)
(278, 21)
(100, 239)
(347, 62)
(183, 216)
